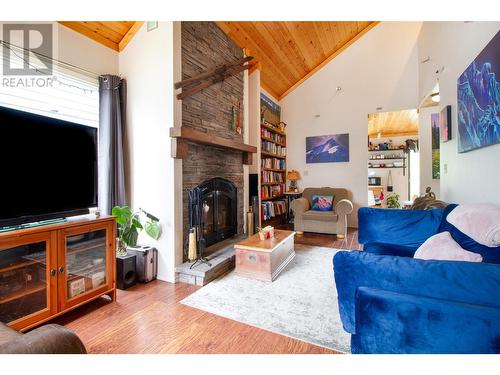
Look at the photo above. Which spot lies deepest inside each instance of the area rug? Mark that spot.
(301, 303)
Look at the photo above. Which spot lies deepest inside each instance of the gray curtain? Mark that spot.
(112, 109)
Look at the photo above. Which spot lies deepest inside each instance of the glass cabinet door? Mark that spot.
(26, 277)
(85, 264)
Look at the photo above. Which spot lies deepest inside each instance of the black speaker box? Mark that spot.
(125, 271)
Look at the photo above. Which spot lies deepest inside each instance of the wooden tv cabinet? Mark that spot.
(48, 270)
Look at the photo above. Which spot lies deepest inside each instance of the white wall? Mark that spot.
(378, 70)
(83, 52)
(147, 64)
(473, 176)
(80, 51)
(425, 146)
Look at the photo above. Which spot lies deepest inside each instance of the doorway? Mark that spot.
(393, 158)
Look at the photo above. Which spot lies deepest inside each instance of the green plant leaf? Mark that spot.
(153, 229)
(129, 235)
(122, 214)
(136, 222)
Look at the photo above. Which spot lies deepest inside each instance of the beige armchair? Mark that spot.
(330, 222)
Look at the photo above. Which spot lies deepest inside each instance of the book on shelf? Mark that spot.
(273, 163)
(272, 177)
(273, 209)
(270, 191)
(265, 133)
(273, 148)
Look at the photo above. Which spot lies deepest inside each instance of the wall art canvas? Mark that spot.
(436, 156)
(478, 91)
(445, 124)
(327, 148)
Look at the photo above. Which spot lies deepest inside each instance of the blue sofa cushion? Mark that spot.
(474, 283)
(408, 228)
(390, 249)
(390, 322)
(489, 254)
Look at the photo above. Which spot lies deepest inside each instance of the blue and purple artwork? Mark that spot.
(479, 100)
(327, 148)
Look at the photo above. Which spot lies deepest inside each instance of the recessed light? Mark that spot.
(378, 108)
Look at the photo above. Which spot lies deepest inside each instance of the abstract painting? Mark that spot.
(478, 99)
(327, 148)
(445, 123)
(436, 158)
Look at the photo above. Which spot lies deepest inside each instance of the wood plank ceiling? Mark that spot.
(113, 34)
(393, 124)
(290, 52)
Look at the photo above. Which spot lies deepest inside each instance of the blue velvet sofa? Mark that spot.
(392, 303)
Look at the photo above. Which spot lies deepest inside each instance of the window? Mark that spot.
(69, 94)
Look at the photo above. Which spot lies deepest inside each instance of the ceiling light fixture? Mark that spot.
(436, 98)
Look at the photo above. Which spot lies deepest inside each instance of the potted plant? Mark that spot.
(393, 201)
(129, 226)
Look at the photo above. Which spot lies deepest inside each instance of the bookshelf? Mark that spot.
(272, 173)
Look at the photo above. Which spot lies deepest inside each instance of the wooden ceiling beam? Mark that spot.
(129, 35)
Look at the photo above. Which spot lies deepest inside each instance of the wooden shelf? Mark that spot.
(386, 159)
(393, 150)
(36, 287)
(274, 170)
(273, 198)
(272, 183)
(384, 167)
(273, 129)
(20, 265)
(184, 134)
(264, 153)
(272, 140)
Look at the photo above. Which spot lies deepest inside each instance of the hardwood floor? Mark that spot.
(148, 318)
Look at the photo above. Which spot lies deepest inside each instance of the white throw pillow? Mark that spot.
(442, 246)
(479, 221)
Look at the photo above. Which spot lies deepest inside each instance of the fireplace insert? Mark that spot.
(218, 209)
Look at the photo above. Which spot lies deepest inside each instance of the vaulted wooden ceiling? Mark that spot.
(290, 52)
(112, 34)
(393, 124)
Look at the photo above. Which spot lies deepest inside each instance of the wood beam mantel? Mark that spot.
(184, 134)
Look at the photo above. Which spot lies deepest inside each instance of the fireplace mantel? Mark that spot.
(184, 134)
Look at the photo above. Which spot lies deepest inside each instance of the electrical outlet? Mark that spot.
(305, 173)
(445, 168)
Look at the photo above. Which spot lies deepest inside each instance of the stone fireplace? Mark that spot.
(219, 202)
(213, 153)
(204, 46)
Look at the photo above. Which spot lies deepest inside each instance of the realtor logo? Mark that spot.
(34, 57)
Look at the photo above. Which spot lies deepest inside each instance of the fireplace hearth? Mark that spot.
(218, 205)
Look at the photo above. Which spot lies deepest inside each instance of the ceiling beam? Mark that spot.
(129, 35)
(330, 58)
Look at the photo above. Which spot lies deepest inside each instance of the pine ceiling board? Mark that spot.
(272, 54)
(323, 37)
(287, 47)
(297, 35)
(393, 123)
(102, 29)
(271, 63)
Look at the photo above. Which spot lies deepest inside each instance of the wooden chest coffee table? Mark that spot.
(264, 259)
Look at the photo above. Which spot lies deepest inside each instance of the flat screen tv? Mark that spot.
(48, 168)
